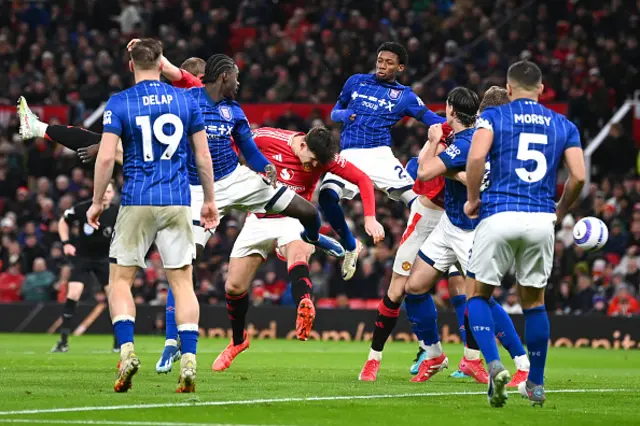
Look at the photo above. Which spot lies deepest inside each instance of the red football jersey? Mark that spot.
(187, 81)
(434, 189)
(275, 144)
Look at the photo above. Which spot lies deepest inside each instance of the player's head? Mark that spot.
(524, 78)
(109, 193)
(220, 69)
(194, 66)
(392, 58)
(462, 106)
(319, 147)
(146, 55)
(494, 96)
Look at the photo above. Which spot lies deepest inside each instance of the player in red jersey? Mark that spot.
(300, 161)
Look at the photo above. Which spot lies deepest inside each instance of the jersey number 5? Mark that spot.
(526, 154)
(172, 140)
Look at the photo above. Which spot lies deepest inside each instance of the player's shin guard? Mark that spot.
(301, 285)
(67, 318)
(330, 206)
(505, 330)
(536, 331)
(237, 307)
(171, 328)
(123, 326)
(188, 338)
(423, 315)
(388, 312)
(482, 327)
(460, 305)
(72, 137)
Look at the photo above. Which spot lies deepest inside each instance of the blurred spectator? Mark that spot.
(511, 305)
(38, 285)
(11, 284)
(623, 303)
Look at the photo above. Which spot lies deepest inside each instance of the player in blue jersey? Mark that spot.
(525, 143)
(368, 106)
(155, 122)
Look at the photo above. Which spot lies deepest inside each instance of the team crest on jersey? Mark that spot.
(286, 174)
(394, 93)
(406, 266)
(226, 113)
(307, 167)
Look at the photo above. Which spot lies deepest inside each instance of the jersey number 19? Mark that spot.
(157, 132)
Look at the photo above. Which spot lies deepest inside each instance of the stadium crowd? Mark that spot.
(73, 52)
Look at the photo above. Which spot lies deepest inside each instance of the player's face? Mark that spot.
(307, 158)
(387, 66)
(231, 84)
(108, 195)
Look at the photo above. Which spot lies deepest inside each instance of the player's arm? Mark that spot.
(416, 109)
(340, 112)
(480, 146)
(429, 163)
(252, 155)
(351, 173)
(574, 160)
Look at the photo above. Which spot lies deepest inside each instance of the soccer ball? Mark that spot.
(590, 233)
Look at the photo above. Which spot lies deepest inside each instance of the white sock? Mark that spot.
(171, 342)
(471, 354)
(41, 129)
(522, 362)
(375, 355)
(433, 351)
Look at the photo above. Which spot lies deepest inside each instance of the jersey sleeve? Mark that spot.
(345, 94)
(196, 121)
(187, 81)
(487, 119)
(243, 139)
(573, 136)
(415, 108)
(412, 167)
(455, 156)
(341, 167)
(112, 118)
(76, 212)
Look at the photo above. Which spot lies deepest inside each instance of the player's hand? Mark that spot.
(88, 154)
(132, 43)
(472, 209)
(93, 214)
(352, 117)
(271, 174)
(69, 250)
(209, 216)
(435, 133)
(374, 229)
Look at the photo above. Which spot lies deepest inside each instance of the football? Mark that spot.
(590, 233)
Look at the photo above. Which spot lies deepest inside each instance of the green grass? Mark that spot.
(33, 379)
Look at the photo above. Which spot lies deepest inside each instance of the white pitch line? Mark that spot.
(279, 400)
(112, 422)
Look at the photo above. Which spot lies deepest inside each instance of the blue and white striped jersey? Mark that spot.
(154, 121)
(378, 105)
(529, 141)
(455, 193)
(222, 120)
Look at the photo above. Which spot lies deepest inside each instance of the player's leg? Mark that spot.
(71, 137)
(74, 292)
(331, 193)
(176, 245)
(241, 272)
(297, 253)
(534, 261)
(100, 269)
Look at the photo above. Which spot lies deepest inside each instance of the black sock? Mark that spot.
(72, 137)
(300, 283)
(388, 312)
(237, 307)
(67, 317)
(471, 341)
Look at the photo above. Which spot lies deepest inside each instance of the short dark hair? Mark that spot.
(525, 74)
(323, 144)
(441, 113)
(194, 66)
(397, 49)
(494, 96)
(217, 65)
(146, 53)
(465, 104)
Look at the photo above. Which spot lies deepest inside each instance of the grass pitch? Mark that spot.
(298, 383)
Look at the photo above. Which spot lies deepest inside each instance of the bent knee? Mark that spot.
(235, 287)
(75, 290)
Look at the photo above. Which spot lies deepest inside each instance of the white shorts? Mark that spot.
(259, 235)
(243, 190)
(384, 169)
(422, 221)
(137, 227)
(501, 239)
(447, 245)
